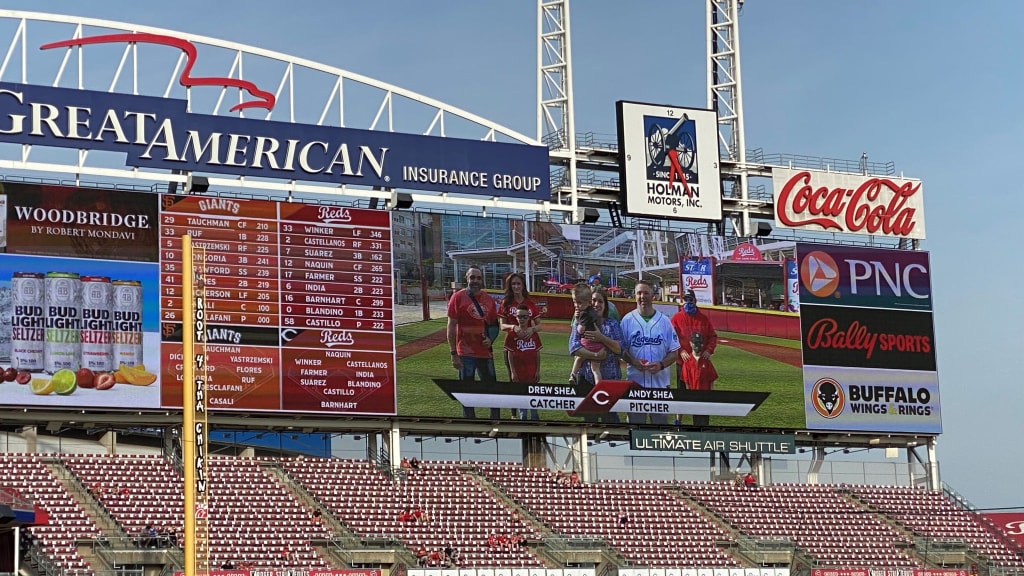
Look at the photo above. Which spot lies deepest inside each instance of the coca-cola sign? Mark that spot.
(848, 203)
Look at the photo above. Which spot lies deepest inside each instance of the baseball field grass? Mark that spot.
(423, 355)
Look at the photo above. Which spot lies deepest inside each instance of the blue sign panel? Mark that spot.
(159, 133)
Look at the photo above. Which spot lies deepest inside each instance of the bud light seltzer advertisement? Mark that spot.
(79, 298)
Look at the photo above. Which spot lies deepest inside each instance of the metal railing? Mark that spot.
(861, 166)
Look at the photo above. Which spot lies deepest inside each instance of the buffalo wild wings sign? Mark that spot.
(848, 203)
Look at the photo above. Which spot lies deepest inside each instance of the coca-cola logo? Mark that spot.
(334, 214)
(876, 205)
(825, 333)
(332, 338)
(696, 282)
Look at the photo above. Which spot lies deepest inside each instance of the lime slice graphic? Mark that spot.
(64, 382)
(41, 386)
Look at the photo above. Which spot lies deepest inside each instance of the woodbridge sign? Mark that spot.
(159, 133)
(712, 442)
(848, 203)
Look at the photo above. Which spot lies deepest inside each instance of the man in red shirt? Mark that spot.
(471, 312)
(696, 372)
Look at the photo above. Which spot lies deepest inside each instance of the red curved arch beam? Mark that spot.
(264, 99)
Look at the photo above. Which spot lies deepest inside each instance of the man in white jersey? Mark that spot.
(652, 347)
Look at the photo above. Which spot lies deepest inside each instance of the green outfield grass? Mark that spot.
(738, 370)
(784, 342)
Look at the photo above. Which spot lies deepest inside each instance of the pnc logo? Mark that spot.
(819, 274)
(828, 398)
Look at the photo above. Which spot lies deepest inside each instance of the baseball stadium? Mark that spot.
(263, 316)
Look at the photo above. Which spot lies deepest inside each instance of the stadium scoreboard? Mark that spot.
(299, 303)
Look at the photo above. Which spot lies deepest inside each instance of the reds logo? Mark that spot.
(526, 345)
(332, 338)
(334, 214)
(264, 99)
(1014, 528)
(696, 282)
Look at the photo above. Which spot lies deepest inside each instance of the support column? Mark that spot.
(109, 441)
(582, 455)
(819, 459)
(372, 443)
(30, 434)
(394, 441)
(934, 481)
(534, 455)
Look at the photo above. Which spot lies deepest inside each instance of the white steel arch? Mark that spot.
(392, 108)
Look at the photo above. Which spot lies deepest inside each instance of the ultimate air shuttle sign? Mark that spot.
(159, 133)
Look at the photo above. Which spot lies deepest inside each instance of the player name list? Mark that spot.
(298, 304)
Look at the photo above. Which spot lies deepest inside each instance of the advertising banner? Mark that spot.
(669, 162)
(888, 572)
(697, 274)
(868, 340)
(865, 277)
(159, 133)
(792, 286)
(292, 572)
(712, 442)
(298, 302)
(1011, 523)
(747, 252)
(302, 315)
(848, 203)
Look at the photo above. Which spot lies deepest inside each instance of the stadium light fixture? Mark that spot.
(493, 432)
(603, 435)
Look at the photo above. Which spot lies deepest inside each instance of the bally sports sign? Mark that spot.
(848, 203)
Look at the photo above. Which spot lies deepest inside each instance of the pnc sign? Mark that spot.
(872, 277)
(848, 203)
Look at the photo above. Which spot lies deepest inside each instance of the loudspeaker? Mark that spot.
(195, 184)
(761, 229)
(589, 215)
(401, 201)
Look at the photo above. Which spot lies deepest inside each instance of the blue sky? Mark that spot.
(931, 85)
